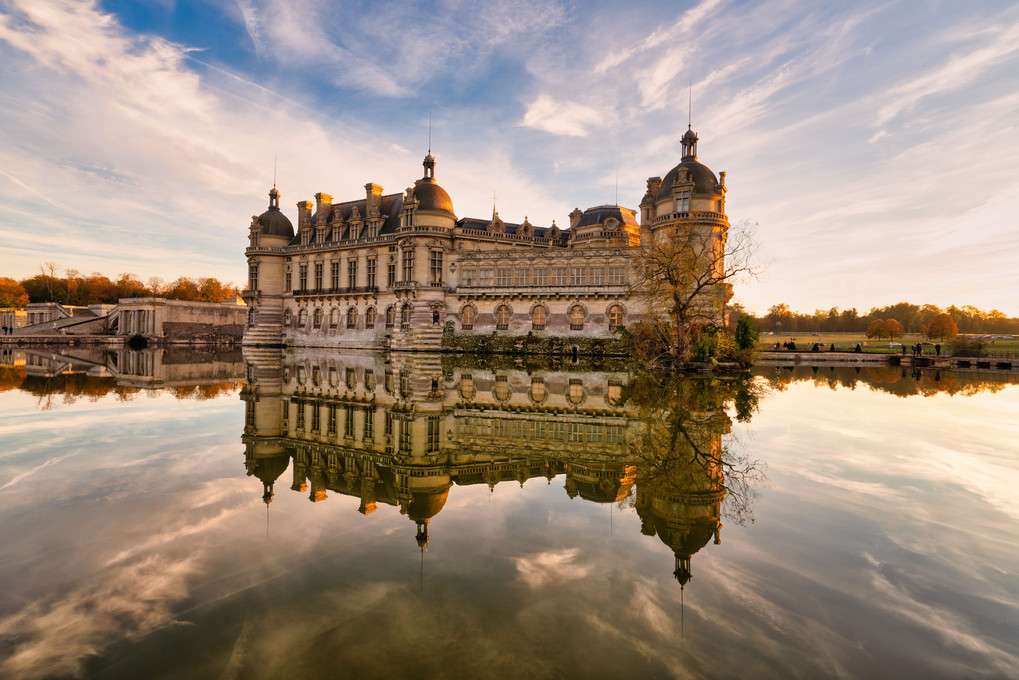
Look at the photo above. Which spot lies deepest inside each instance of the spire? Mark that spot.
(689, 139)
(274, 198)
(429, 161)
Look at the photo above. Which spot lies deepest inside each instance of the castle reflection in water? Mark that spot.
(403, 430)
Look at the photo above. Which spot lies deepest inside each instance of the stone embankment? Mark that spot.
(994, 363)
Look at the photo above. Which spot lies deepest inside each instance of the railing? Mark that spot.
(621, 287)
(405, 285)
(335, 291)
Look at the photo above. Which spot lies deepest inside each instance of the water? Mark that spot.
(503, 519)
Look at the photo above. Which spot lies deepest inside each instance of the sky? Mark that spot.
(871, 146)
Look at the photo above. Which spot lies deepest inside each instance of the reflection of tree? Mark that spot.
(897, 380)
(689, 473)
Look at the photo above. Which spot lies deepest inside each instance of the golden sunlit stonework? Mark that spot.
(401, 271)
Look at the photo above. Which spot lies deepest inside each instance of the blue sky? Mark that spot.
(873, 143)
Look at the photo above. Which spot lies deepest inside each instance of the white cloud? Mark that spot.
(562, 118)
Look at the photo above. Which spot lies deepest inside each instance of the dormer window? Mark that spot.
(683, 201)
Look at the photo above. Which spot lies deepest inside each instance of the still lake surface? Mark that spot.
(172, 514)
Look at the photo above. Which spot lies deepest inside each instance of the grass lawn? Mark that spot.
(846, 342)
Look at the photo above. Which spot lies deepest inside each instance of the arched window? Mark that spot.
(575, 395)
(390, 316)
(251, 316)
(288, 316)
(467, 315)
(405, 316)
(502, 388)
(334, 317)
(302, 318)
(467, 390)
(615, 317)
(502, 317)
(352, 317)
(576, 318)
(538, 391)
(539, 315)
(318, 317)
(369, 318)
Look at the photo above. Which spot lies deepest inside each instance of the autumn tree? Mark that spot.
(942, 326)
(685, 277)
(876, 328)
(12, 293)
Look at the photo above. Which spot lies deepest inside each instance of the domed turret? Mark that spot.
(273, 222)
(430, 196)
(690, 170)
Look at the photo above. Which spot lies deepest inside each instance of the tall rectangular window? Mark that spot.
(597, 276)
(316, 415)
(617, 275)
(578, 276)
(503, 276)
(485, 277)
(435, 267)
(468, 277)
(348, 424)
(683, 201)
(408, 265)
(391, 274)
(558, 276)
(523, 276)
(539, 277)
(300, 415)
(253, 277)
(369, 423)
(352, 274)
(432, 443)
(302, 278)
(287, 280)
(318, 276)
(334, 275)
(370, 269)
(331, 425)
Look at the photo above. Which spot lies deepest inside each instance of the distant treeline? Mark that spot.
(914, 319)
(78, 289)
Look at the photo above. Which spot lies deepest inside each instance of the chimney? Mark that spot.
(303, 215)
(323, 203)
(575, 217)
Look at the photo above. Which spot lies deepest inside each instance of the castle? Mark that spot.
(396, 271)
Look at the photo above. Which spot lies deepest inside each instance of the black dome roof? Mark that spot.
(430, 196)
(704, 180)
(273, 221)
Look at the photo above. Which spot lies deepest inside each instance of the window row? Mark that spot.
(539, 317)
(540, 430)
(537, 393)
(522, 275)
(353, 278)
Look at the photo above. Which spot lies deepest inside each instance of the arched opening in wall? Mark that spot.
(467, 315)
(467, 390)
(502, 317)
(615, 317)
(538, 390)
(435, 316)
(576, 354)
(576, 318)
(501, 391)
(334, 317)
(575, 394)
(251, 316)
(352, 317)
(369, 318)
(539, 316)
(405, 316)
(318, 317)
(137, 342)
(302, 318)
(390, 316)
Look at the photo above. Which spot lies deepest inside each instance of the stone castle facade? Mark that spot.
(396, 271)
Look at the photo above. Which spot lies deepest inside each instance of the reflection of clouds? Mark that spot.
(49, 638)
(552, 566)
(31, 471)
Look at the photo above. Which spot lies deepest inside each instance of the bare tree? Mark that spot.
(685, 277)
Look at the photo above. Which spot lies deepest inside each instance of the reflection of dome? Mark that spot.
(268, 470)
(424, 505)
(273, 222)
(431, 197)
(686, 540)
(603, 490)
(704, 180)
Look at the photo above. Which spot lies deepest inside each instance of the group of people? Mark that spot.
(918, 350)
(8, 330)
